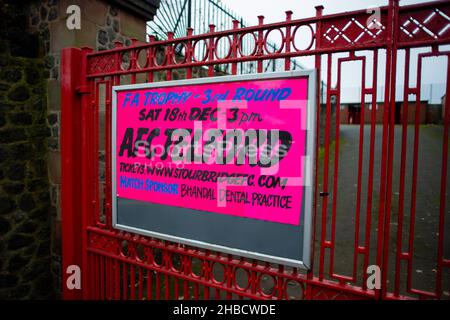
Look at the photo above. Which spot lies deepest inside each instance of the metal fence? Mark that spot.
(177, 16)
(383, 214)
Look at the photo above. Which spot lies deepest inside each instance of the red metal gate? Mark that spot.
(379, 216)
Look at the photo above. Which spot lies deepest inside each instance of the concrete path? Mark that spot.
(427, 203)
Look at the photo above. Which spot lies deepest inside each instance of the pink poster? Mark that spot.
(232, 148)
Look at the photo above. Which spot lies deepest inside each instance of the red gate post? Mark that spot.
(71, 212)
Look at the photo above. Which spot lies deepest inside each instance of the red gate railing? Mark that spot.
(120, 265)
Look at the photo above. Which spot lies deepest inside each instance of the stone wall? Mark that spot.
(32, 36)
(25, 213)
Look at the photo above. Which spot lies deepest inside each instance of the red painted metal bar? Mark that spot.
(133, 61)
(85, 166)
(132, 282)
(151, 59)
(95, 164)
(373, 93)
(149, 284)
(189, 53)
(335, 175)
(414, 174)
(287, 41)
(234, 47)
(356, 248)
(401, 198)
(169, 55)
(326, 163)
(393, 4)
(260, 44)
(108, 282)
(444, 185)
(70, 160)
(317, 64)
(102, 278)
(210, 51)
(360, 167)
(384, 146)
(108, 181)
(124, 281)
(140, 284)
(116, 279)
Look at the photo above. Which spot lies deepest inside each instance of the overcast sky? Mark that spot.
(273, 10)
(433, 79)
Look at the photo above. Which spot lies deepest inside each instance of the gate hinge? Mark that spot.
(82, 90)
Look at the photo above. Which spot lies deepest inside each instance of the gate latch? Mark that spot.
(82, 89)
(324, 194)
